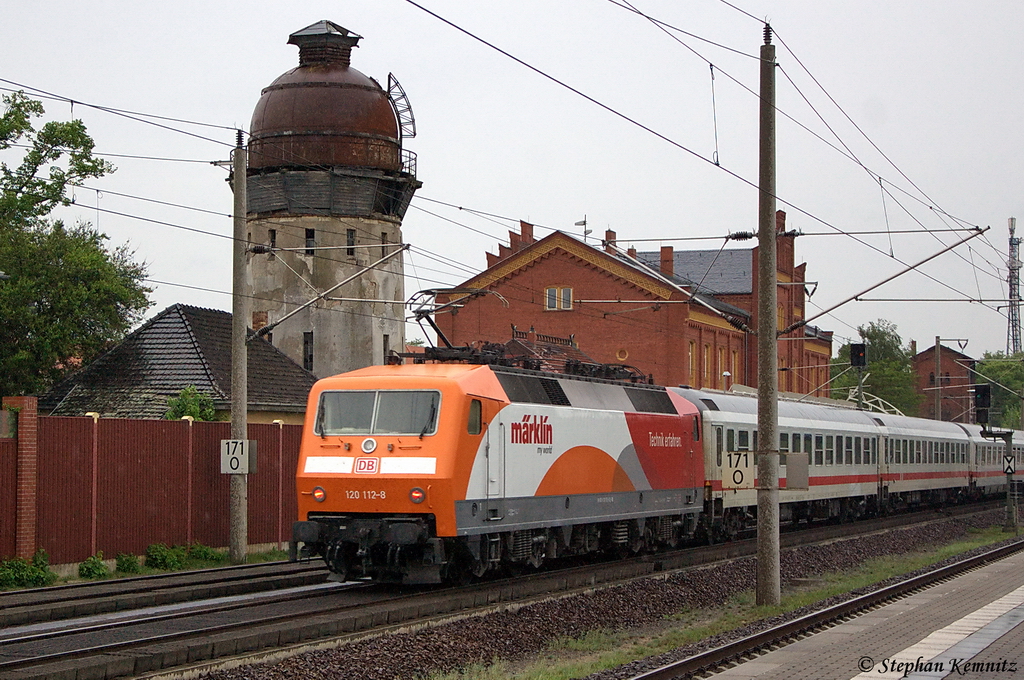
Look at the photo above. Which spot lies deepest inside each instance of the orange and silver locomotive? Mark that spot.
(427, 472)
(424, 473)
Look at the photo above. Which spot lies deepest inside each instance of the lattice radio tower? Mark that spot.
(1013, 279)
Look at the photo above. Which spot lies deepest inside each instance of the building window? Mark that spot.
(273, 241)
(707, 366)
(383, 244)
(310, 241)
(692, 375)
(307, 351)
(350, 241)
(558, 298)
(387, 348)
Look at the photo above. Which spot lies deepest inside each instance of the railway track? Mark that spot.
(750, 647)
(92, 635)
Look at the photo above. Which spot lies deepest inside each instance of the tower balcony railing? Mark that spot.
(409, 162)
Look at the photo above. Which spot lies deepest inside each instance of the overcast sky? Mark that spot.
(935, 85)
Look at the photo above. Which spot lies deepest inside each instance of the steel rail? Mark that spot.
(585, 577)
(753, 644)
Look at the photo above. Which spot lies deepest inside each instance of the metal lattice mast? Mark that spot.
(1013, 279)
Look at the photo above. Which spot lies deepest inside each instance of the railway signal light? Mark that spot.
(982, 402)
(858, 354)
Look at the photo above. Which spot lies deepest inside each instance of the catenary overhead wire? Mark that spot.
(848, 152)
(657, 134)
(136, 117)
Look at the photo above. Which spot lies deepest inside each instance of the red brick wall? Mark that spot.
(955, 381)
(27, 475)
(638, 331)
(656, 338)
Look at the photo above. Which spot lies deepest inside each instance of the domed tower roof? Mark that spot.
(324, 113)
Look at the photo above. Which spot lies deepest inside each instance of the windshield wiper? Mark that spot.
(320, 422)
(430, 418)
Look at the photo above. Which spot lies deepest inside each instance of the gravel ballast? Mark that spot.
(520, 633)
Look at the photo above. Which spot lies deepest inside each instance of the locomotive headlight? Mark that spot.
(417, 495)
(319, 494)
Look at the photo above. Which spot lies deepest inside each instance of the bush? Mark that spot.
(198, 551)
(160, 556)
(20, 573)
(128, 564)
(93, 567)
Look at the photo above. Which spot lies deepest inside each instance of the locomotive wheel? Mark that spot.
(335, 559)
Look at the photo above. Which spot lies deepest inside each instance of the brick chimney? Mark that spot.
(668, 258)
(609, 241)
(780, 221)
(632, 252)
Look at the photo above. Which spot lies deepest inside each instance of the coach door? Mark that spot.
(495, 504)
(884, 454)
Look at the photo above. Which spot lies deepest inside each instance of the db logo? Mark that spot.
(367, 466)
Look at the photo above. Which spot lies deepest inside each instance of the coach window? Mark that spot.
(849, 450)
(830, 449)
(807, 447)
(874, 452)
(475, 417)
(718, 446)
(819, 450)
(783, 447)
(917, 452)
(906, 452)
(929, 452)
(730, 440)
(744, 441)
(856, 450)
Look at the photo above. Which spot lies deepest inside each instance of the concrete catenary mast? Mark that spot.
(329, 184)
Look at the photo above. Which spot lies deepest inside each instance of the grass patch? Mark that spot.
(599, 650)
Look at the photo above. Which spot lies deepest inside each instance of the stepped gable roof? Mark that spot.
(180, 346)
(512, 260)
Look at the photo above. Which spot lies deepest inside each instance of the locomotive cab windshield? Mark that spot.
(380, 412)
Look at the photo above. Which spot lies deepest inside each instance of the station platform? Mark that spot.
(967, 627)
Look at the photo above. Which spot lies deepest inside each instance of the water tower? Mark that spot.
(328, 186)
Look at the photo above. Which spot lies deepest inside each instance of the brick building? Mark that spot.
(645, 309)
(953, 384)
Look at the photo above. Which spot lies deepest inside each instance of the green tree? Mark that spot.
(890, 365)
(190, 402)
(68, 297)
(1006, 374)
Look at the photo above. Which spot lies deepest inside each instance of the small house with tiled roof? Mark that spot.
(683, 318)
(182, 346)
